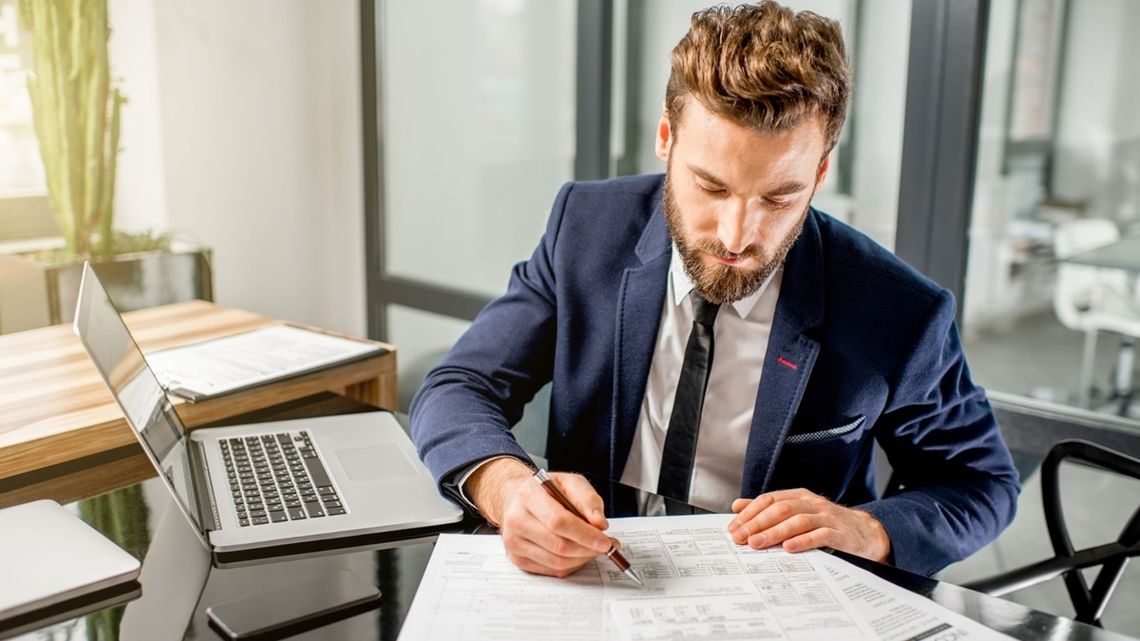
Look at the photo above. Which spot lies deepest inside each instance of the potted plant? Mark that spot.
(76, 109)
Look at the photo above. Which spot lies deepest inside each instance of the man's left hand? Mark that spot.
(801, 520)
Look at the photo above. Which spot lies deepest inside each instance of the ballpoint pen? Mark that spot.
(614, 555)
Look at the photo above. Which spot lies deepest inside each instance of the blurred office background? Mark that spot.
(376, 167)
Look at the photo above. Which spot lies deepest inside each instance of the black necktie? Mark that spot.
(681, 439)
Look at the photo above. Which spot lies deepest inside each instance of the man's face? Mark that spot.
(735, 198)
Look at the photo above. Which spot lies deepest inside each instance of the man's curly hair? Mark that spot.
(762, 66)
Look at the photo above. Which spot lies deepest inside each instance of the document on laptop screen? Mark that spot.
(223, 365)
(699, 585)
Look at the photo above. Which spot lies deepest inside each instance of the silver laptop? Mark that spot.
(272, 489)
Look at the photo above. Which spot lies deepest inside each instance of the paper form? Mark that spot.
(901, 615)
(699, 586)
(471, 590)
(235, 362)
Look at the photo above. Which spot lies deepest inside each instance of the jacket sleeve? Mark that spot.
(467, 405)
(959, 485)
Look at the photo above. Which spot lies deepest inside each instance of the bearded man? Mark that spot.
(712, 338)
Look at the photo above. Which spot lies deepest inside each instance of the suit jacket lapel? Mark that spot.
(640, 301)
(790, 357)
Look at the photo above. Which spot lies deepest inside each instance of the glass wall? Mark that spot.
(1058, 174)
(863, 186)
(477, 105)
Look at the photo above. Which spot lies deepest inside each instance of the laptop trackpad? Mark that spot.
(374, 463)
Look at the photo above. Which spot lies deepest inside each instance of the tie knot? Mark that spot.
(704, 312)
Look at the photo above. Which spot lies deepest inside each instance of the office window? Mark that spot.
(863, 185)
(478, 132)
(1058, 162)
(421, 340)
(24, 210)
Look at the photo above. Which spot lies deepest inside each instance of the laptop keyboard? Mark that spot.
(278, 477)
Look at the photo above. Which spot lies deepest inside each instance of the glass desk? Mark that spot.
(178, 582)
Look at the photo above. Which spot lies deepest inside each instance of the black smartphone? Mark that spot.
(301, 606)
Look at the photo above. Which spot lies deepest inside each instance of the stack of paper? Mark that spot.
(699, 585)
(222, 365)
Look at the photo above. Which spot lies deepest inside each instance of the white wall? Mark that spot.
(244, 133)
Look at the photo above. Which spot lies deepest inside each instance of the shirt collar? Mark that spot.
(682, 285)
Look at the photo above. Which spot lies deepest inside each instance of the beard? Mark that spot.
(719, 283)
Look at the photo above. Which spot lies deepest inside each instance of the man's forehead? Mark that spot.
(759, 162)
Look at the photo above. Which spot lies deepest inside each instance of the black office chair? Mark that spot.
(1112, 557)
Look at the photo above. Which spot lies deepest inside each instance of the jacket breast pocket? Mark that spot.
(840, 435)
(824, 461)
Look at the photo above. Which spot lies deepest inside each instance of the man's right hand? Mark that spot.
(540, 535)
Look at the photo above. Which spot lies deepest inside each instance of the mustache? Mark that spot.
(719, 250)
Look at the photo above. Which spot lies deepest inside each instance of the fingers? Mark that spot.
(536, 559)
(792, 526)
(583, 496)
(773, 513)
(813, 540)
(760, 503)
(563, 533)
(558, 519)
(801, 520)
(543, 537)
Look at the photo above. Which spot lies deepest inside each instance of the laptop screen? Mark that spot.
(144, 403)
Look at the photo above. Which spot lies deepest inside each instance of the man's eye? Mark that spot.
(712, 189)
(778, 204)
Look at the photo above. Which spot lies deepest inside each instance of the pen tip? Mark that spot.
(636, 579)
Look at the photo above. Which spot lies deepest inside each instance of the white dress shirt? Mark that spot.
(740, 341)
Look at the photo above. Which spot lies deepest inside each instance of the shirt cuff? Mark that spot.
(455, 486)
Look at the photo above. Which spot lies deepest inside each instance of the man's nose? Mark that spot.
(738, 224)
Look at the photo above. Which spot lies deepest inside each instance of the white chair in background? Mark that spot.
(1092, 299)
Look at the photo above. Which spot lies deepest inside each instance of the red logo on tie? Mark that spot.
(786, 363)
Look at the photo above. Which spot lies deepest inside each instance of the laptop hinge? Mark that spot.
(203, 489)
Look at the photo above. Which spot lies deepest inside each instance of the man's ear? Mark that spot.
(822, 173)
(664, 137)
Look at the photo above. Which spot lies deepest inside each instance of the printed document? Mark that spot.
(699, 586)
(228, 364)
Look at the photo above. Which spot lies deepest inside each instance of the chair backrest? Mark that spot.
(1067, 562)
(1088, 603)
(1076, 284)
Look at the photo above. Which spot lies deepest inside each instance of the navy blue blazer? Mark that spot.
(862, 347)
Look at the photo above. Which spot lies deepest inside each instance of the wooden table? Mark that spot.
(61, 431)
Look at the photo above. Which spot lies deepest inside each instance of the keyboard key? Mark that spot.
(333, 511)
(261, 520)
(326, 489)
(278, 516)
(314, 509)
(243, 522)
(296, 513)
(317, 471)
(329, 504)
